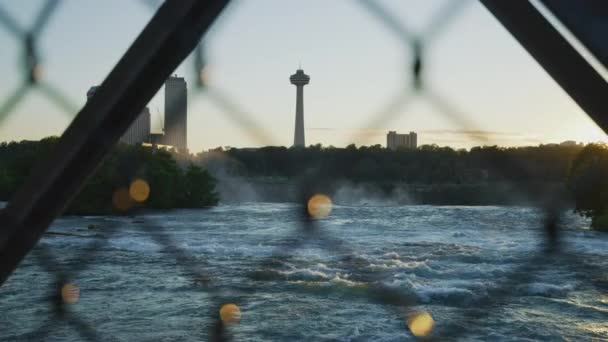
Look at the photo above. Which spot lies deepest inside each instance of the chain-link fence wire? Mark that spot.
(310, 227)
(65, 291)
(229, 107)
(32, 68)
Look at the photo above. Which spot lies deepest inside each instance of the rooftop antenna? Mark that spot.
(300, 65)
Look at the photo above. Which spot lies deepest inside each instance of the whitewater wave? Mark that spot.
(446, 295)
(135, 244)
(546, 290)
(399, 264)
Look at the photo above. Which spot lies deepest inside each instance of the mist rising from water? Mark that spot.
(368, 194)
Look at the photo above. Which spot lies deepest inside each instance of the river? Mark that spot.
(479, 272)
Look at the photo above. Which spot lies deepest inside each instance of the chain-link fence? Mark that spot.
(169, 38)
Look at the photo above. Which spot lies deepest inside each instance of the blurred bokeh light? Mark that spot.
(420, 324)
(70, 293)
(139, 190)
(319, 206)
(230, 313)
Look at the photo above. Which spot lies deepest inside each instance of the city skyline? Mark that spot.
(360, 67)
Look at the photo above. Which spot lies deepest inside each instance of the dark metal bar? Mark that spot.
(587, 20)
(165, 42)
(553, 52)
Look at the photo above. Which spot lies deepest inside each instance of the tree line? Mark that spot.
(163, 184)
(480, 175)
(178, 181)
(428, 164)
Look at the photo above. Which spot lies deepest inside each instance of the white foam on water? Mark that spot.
(547, 290)
(445, 294)
(135, 244)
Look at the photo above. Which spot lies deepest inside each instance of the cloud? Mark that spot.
(428, 131)
(366, 132)
(445, 136)
(322, 129)
(471, 132)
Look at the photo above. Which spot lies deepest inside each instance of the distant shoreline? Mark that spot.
(237, 190)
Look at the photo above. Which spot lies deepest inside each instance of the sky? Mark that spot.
(357, 64)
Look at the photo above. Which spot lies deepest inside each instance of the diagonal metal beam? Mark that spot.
(587, 20)
(553, 52)
(165, 42)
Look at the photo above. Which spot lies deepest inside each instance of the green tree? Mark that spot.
(165, 180)
(199, 189)
(169, 185)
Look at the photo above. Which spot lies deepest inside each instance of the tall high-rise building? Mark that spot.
(413, 140)
(299, 79)
(176, 113)
(139, 131)
(395, 140)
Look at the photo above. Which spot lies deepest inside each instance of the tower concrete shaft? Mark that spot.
(299, 79)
